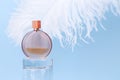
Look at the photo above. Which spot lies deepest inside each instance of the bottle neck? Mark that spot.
(36, 29)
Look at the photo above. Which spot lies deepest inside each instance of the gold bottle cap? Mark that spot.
(36, 24)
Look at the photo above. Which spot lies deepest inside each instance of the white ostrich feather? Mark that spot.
(66, 20)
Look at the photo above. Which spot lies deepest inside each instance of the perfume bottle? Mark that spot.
(36, 44)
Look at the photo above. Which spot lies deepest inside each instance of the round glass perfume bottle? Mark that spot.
(36, 44)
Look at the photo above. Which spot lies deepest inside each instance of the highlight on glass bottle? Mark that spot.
(36, 44)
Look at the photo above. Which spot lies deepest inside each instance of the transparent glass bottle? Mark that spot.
(36, 44)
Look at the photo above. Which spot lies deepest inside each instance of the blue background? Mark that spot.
(99, 60)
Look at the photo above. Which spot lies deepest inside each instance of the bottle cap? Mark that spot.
(36, 24)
